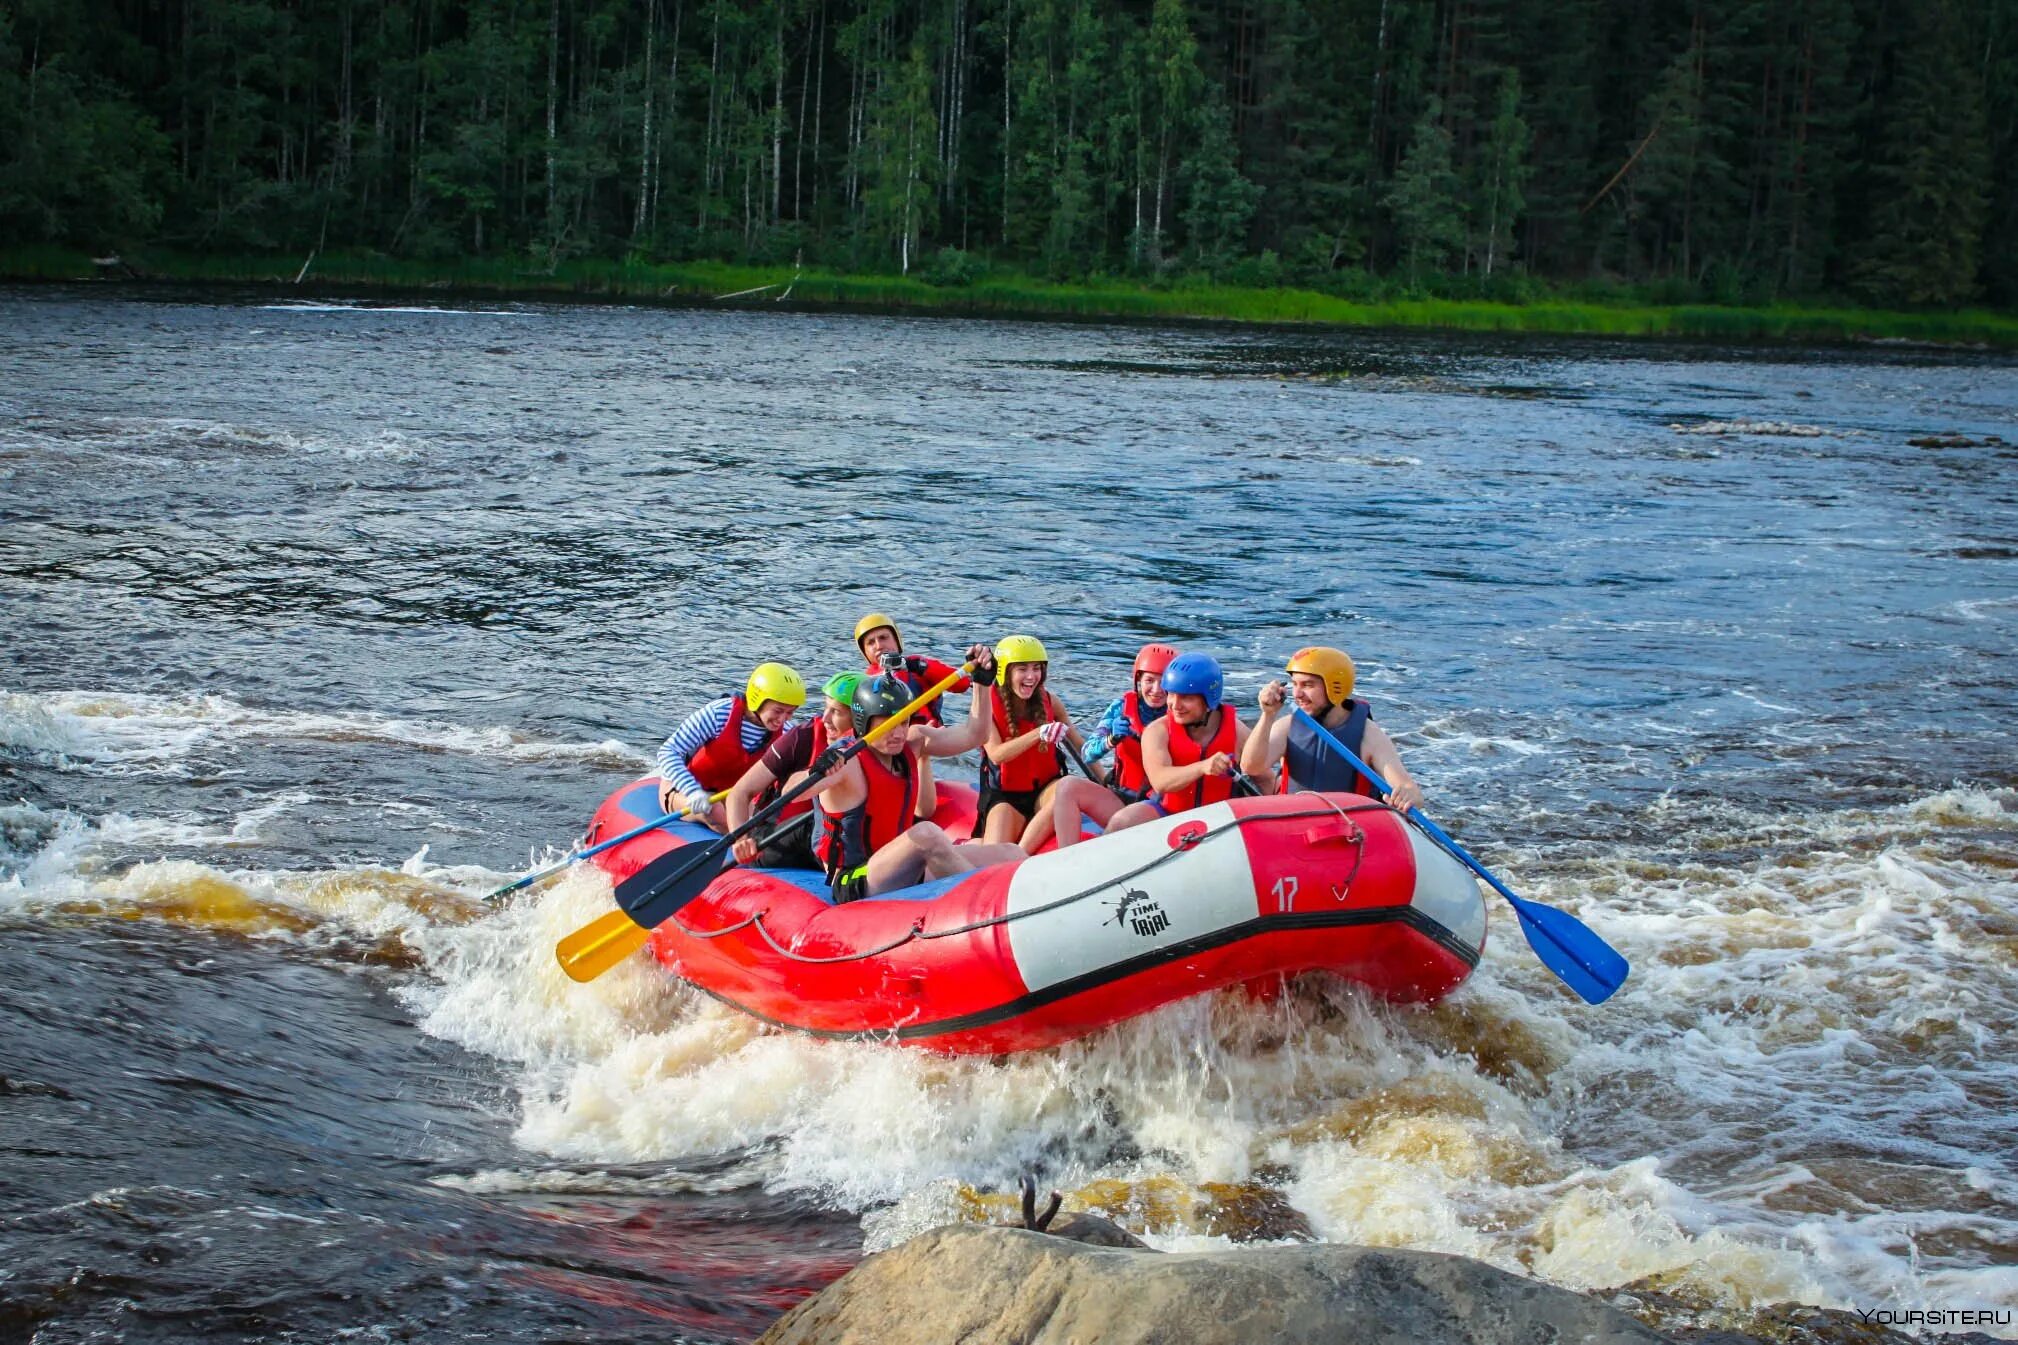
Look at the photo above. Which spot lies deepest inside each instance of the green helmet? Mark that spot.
(841, 687)
(876, 696)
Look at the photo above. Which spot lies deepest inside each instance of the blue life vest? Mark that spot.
(1309, 763)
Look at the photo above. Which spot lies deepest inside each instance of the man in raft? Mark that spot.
(722, 739)
(877, 637)
(783, 764)
(1190, 755)
(1286, 756)
(871, 839)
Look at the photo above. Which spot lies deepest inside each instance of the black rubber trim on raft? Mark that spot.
(1051, 994)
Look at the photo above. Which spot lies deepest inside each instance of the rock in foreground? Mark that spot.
(978, 1285)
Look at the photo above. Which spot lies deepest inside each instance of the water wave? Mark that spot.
(1589, 1147)
(123, 731)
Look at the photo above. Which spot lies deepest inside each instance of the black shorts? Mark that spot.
(1024, 801)
(794, 849)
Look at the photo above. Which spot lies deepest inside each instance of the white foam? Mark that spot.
(1830, 989)
(1985, 609)
(135, 732)
(1780, 428)
(361, 307)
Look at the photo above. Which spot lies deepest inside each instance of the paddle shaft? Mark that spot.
(576, 856)
(601, 944)
(1578, 956)
(814, 779)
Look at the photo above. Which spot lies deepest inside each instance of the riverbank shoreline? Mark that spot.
(1013, 297)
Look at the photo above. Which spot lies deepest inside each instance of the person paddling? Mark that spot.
(1190, 754)
(1020, 757)
(871, 837)
(783, 764)
(718, 742)
(1122, 801)
(1121, 725)
(1321, 680)
(876, 635)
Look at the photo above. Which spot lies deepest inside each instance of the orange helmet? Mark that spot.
(1154, 658)
(1333, 665)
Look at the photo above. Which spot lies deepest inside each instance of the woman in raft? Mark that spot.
(1020, 765)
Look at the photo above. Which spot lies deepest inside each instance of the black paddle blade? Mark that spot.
(675, 878)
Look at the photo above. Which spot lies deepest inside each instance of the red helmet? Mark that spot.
(1154, 658)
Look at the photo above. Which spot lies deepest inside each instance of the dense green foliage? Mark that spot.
(1734, 151)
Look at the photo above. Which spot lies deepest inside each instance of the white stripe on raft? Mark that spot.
(1446, 892)
(1199, 891)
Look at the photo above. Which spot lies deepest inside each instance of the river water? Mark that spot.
(323, 618)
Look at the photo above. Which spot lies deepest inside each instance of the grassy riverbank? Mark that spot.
(992, 292)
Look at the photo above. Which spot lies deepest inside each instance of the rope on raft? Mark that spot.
(1354, 837)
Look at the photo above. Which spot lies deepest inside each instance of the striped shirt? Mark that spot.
(703, 726)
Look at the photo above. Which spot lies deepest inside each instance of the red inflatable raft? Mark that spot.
(1040, 951)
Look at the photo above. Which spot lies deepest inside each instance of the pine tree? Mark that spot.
(1926, 226)
(1498, 196)
(1425, 197)
(1219, 201)
(901, 163)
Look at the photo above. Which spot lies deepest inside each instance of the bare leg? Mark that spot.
(926, 851)
(1076, 799)
(903, 861)
(1134, 815)
(976, 855)
(1005, 824)
(1038, 829)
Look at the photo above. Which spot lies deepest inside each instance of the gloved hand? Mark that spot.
(982, 658)
(827, 760)
(1054, 732)
(916, 664)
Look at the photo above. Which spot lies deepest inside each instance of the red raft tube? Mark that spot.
(1042, 950)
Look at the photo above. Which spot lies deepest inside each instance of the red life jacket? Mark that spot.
(1184, 751)
(818, 736)
(1131, 777)
(917, 684)
(847, 840)
(722, 760)
(1037, 767)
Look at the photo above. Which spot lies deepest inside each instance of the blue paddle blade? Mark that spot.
(1566, 946)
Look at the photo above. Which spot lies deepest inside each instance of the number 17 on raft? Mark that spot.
(1284, 893)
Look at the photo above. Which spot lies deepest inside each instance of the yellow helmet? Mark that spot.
(1333, 665)
(774, 682)
(871, 622)
(1017, 649)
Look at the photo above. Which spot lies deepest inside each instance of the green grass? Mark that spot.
(1006, 294)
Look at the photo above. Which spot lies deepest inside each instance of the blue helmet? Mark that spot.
(1196, 675)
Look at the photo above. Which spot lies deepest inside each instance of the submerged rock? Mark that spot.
(980, 1284)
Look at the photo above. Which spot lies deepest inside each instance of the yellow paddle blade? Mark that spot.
(607, 940)
(599, 945)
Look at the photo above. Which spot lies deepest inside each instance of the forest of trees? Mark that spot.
(1729, 150)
